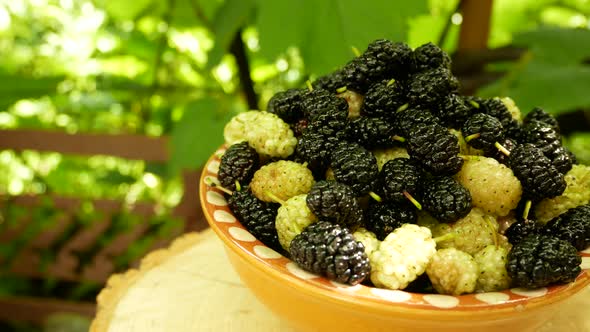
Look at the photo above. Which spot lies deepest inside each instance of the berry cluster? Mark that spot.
(383, 173)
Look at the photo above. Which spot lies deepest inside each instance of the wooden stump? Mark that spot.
(187, 287)
(192, 287)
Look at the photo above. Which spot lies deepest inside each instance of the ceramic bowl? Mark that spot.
(313, 303)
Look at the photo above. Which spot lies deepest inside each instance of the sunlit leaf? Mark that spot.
(198, 133)
(555, 88)
(124, 10)
(229, 18)
(335, 26)
(555, 45)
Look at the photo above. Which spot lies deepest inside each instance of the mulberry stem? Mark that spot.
(341, 89)
(275, 198)
(502, 149)
(309, 86)
(211, 183)
(489, 224)
(398, 138)
(403, 107)
(375, 196)
(355, 51)
(446, 237)
(527, 209)
(472, 136)
(412, 199)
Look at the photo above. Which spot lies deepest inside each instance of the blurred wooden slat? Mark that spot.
(36, 310)
(137, 147)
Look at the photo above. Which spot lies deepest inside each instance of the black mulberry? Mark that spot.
(445, 199)
(435, 148)
(335, 202)
(384, 218)
(399, 176)
(354, 166)
(572, 226)
(257, 216)
(331, 250)
(539, 178)
(541, 260)
(238, 163)
(482, 131)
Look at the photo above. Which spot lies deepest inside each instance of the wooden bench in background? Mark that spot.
(66, 266)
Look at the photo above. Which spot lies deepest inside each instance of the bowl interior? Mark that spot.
(237, 238)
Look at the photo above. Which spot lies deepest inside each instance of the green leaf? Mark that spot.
(16, 87)
(198, 133)
(124, 10)
(229, 18)
(335, 26)
(273, 40)
(555, 45)
(555, 88)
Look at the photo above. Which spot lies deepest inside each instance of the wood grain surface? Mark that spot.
(192, 287)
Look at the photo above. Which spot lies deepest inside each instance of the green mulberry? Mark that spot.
(292, 218)
(281, 179)
(453, 272)
(265, 132)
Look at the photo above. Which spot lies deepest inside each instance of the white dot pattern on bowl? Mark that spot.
(216, 207)
(266, 252)
(441, 301)
(213, 166)
(492, 297)
(392, 295)
(345, 287)
(241, 234)
(529, 292)
(216, 198)
(299, 272)
(224, 216)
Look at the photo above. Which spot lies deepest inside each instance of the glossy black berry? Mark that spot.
(396, 177)
(384, 218)
(445, 199)
(330, 82)
(354, 166)
(482, 131)
(538, 114)
(371, 132)
(499, 155)
(454, 111)
(257, 216)
(435, 149)
(383, 99)
(287, 105)
(238, 163)
(520, 229)
(539, 178)
(430, 56)
(407, 120)
(429, 88)
(330, 250)
(542, 260)
(496, 108)
(315, 148)
(335, 202)
(572, 226)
